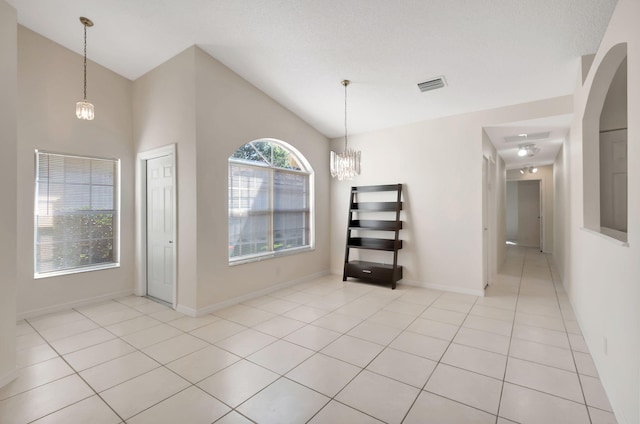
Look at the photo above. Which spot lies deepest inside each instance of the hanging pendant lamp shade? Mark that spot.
(84, 109)
(345, 165)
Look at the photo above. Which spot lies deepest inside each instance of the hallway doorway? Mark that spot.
(524, 213)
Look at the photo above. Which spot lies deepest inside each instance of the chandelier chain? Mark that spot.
(345, 114)
(84, 109)
(85, 62)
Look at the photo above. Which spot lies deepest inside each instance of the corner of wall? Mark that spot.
(8, 190)
(585, 66)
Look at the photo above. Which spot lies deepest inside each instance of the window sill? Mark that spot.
(38, 276)
(612, 236)
(264, 257)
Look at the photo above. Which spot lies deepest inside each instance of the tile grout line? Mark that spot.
(77, 374)
(232, 409)
(376, 356)
(513, 325)
(570, 345)
(161, 365)
(332, 398)
(345, 333)
(439, 362)
(420, 389)
(426, 306)
(280, 376)
(136, 350)
(129, 379)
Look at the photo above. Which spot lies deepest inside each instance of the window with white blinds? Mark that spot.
(76, 214)
(269, 201)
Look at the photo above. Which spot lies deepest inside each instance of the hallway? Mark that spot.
(319, 352)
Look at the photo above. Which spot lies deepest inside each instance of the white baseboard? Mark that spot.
(8, 377)
(225, 304)
(441, 287)
(187, 311)
(73, 304)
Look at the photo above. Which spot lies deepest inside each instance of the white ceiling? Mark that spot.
(491, 52)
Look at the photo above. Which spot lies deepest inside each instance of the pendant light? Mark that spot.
(84, 109)
(345, 165)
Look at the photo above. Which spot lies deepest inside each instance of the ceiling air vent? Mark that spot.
(527, 137)
(432, 84)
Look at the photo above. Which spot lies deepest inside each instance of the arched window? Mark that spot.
(270, 201)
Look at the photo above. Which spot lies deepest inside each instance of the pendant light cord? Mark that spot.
(85, 62)
(345, 83)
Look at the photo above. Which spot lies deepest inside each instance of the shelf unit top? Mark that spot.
(386, 187)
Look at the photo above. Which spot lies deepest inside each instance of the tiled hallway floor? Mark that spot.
(320, 352)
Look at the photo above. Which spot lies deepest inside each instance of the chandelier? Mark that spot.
(84, 109)
(345, 165)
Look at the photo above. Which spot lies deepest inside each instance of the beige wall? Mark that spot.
(8, 171)
(49, 85)
(164, 114)
(561, 212)
(209, 111)
(495, 195)
(440, 161)
(545, 176)
(231, 112)
(614, 113)
(601, 274)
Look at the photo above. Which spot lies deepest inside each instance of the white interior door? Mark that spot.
(511, 213)
(160, 231)
(529, 213)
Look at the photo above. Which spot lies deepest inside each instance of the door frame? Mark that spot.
(141, 218)
(541, 220)
(488, 219)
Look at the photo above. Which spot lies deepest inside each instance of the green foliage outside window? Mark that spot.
(267, 153)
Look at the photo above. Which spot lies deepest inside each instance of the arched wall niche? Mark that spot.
(591, 135)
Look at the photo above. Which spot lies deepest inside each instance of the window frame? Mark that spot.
(116, 219)
(305, 169)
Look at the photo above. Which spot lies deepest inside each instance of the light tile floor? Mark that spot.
(320, 352)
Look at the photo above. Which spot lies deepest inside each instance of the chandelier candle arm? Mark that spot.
(345, 165)
(84, 109)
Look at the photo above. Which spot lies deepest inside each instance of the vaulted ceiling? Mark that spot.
(491, 52)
